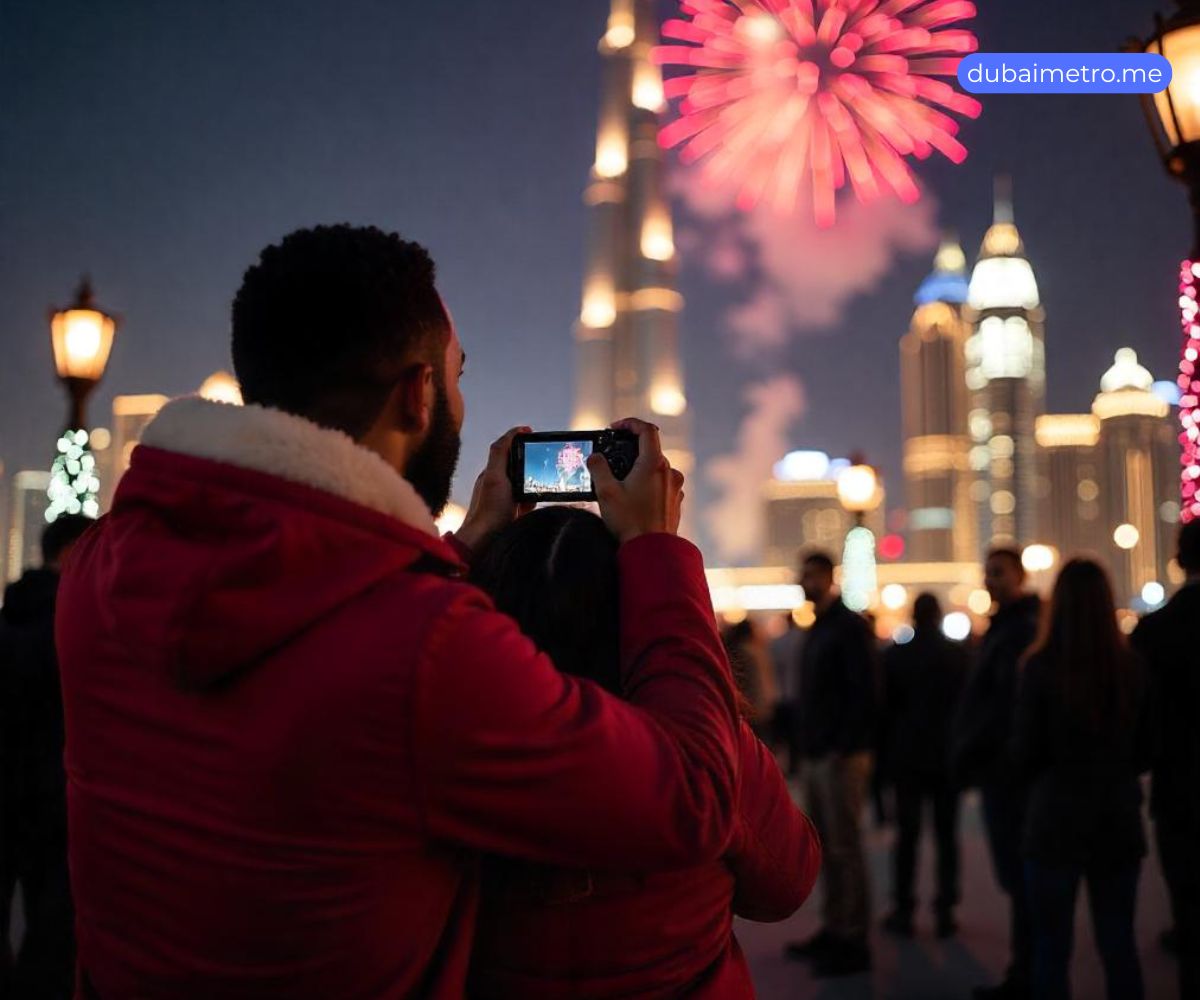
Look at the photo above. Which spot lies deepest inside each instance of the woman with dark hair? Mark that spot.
(549, 932)
(1082, 736)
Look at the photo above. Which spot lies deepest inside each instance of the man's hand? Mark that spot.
(492, 505)
(649, 499)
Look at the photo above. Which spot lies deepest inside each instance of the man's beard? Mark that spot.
(431, 469)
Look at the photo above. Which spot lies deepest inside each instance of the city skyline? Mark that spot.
(167, 217)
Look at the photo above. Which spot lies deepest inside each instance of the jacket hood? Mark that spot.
(237, 528)
(31, 598)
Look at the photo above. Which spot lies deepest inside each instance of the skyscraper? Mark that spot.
(627, 337)
(1071, 520)
(131, 414)
(1139, 463)
(941, 523)
(27, 519)
(1006, 379)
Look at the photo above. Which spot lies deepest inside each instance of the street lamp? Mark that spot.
(81, 338)
(1174, 119)
(858, 492)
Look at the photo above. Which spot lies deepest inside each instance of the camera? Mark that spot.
(550, 466)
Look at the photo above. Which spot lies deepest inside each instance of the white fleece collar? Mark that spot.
(290, 447)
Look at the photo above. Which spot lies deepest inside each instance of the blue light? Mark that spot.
(942, 287)
(1168, 392)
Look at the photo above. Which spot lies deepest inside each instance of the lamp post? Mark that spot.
(858, 493)
(1174, 119)
(81, 337)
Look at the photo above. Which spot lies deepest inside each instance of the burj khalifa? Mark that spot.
(627, 336)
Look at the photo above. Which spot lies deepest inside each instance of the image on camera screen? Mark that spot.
(557, 467)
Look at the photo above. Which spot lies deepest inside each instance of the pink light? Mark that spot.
(1189, 404)
(780, 95)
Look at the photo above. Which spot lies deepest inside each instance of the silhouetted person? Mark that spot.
(752, 673)
(982, 729)
(923, 680)
(560, 931)
(1167, 640)
(34, 806)
(786, 651)
(838, 709)
(1083, 734)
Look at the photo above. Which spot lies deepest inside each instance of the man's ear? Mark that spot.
(412, 399)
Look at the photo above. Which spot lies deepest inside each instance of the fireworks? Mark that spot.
(785, 93)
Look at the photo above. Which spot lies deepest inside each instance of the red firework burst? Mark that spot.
(784, 90)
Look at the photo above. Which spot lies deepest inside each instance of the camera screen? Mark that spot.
(557, 467)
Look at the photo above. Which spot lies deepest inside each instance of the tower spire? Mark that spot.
(1003, 210)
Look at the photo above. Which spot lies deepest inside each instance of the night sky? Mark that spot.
(160, 145)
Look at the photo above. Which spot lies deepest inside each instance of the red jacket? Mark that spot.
(570, 933)
(292, 730)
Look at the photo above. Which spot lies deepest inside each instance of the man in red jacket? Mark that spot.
(292, 727)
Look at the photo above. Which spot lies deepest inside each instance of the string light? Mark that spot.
(1189, 392)
(74, 486)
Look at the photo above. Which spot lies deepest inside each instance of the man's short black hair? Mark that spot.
(1011, 554)
(327, 320)
(61, 533)
(1189, 547)
(818, 558)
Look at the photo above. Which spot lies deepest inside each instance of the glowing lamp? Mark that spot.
(668, 401)
(1126, 536)
(221, 387)
(858, 488)
(891, 547)
(1154, 593)
(956, 626)
(1174, 119)
(1038, 558)
(81, 337)
(451, 518)
(979, 601)
(894, 596)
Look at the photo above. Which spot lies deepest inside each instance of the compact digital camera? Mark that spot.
(551, 466)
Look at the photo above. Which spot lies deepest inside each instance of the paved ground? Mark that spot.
(926, 969)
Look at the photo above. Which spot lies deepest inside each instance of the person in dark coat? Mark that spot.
(979, 752)
(923, 680)
(34, 806)
(1167, 640)
(1082, 735)
(838, 705)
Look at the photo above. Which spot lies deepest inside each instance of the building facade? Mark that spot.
(131, 414)
(627, 337)
(27, 518)
(1006, 382)
(1139, 462)
(807, 514)
(937, 444)
(1070, 516)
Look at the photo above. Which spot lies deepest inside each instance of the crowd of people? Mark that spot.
(267, 734)
(1054, 715)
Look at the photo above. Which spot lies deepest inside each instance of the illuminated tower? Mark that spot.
(628, 360)
(1006, 380)
(1139, 468)
(941, 522)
